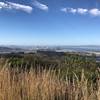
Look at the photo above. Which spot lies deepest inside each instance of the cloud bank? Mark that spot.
(28, 9)
(25, 8)
(82, 11)
(40, 5)
(95, 12)
(16, 6)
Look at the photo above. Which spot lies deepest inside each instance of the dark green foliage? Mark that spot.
(67, 64)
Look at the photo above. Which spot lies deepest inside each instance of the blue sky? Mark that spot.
(50, 22)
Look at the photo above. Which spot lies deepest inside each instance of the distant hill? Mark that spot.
(9, 49)
(5, 49)
(83, 48)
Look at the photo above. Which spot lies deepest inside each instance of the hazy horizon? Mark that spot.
(5, 45)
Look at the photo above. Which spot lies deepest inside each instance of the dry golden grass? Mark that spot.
(45, 85)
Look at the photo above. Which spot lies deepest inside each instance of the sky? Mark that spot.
(49, 22)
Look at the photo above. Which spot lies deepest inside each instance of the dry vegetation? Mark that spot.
(45, 85)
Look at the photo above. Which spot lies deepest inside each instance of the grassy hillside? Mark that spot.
(46, 85)
(43, 77)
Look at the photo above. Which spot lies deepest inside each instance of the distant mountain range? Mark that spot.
(85, 48)
(9, 49)
(82, 48)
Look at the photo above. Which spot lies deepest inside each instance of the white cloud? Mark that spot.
(3, 5)
(64, 9)
(72, 10)
(82, 11)
(40, 5)
(94, 12)
(11, 5)
(17, 6)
